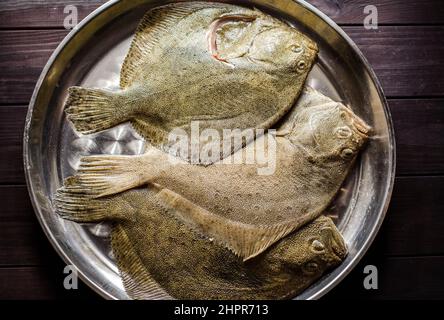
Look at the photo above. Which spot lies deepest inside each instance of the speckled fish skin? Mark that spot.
(238, 208)
(159, 257)
(223, 65)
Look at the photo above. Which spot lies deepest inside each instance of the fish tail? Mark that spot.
(93, 110)
(75, 203)
(101, 176)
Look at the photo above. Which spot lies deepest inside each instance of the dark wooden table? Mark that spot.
(406, 51)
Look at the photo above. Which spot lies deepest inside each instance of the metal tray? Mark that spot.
(92, 54)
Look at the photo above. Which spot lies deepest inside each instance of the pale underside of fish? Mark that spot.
(225, 66)
(160, 257)
(232, 204)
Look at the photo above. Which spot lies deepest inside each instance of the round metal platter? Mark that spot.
(92, 55)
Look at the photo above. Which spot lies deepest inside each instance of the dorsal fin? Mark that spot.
(138, 283)
(155, 24)
(244, 240)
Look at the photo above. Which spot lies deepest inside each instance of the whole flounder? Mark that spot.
(222, 65)
(232, 204)
(160, 257)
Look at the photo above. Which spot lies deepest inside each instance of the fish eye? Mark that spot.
(311, 267)
(347, 153)
(301, 65)
(317, 246)
(296, 48)
(343, 132)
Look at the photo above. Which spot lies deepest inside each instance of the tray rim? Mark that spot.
(391, 137)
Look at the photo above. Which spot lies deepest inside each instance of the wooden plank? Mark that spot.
(12, 122)
(407, 60)
(40, 13)
(419, 127)
(398, 278)
(413, 225)
(22, 241)
(23, 55)
(410, 278)
(418, 124)
(389, 11)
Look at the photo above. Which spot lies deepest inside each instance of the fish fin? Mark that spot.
(244, 240)
(155, 135)
(101, 176)
(92, 110)
(73, 203)
(155, 24)
(138, 282)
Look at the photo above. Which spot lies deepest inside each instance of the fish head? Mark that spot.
(330, 132)
(307, 253)
(340, 134)
(263, 41)
(283, 48)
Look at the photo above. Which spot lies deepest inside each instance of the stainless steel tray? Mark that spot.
(92, 54)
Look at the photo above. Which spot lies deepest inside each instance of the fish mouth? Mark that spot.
(335, 241)
(360, 125)
(312, 47)
(338, 246)
(310, 53)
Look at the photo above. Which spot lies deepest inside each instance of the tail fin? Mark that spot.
(92, 110)
(73, 203)
(101, 176)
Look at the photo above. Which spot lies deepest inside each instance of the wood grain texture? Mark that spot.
(12, 123)
(399, 278)
(23, 54)
(389, 11)
(413, 225)
(419, 125)
(40, 13)
(408, 61)
(419, 128)
(415, 220)
(22, 241)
